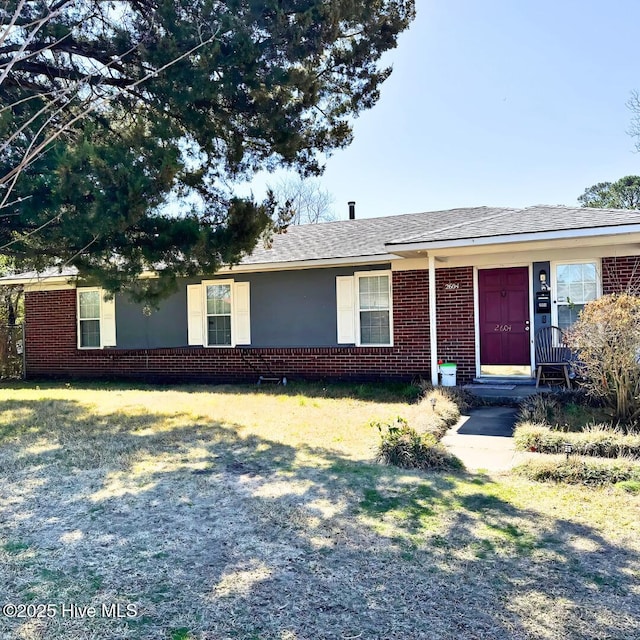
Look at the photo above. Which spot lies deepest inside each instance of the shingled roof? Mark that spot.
(355, 238)
(378, 236)
(537, 219)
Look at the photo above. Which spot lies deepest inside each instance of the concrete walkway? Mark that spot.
(483, 439)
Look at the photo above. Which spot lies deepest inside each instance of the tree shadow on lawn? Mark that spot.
(232, 537)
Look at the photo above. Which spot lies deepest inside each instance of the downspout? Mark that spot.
(433, 334)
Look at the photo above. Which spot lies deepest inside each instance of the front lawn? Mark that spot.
(257, 513)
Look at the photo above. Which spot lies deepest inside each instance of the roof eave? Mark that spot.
(310, 264)
(65, 280)
(514, 238)
(20, 279)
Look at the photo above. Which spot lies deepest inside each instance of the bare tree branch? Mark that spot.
(310, 202)
(65, 105)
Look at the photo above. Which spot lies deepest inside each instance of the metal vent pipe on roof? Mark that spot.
(352, 210)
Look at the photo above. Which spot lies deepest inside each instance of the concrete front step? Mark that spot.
(504, 394)
(505, 380)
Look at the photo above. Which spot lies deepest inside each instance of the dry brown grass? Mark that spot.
(230, 513)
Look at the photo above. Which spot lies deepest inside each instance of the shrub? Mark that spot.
(580, 471)
(402, 446)
(459, 396)
(540, 408)
(606, 338)
(567, 410)
(599, 440)
(435, 418)
(536, 436)
(576, 396)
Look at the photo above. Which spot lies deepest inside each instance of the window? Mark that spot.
(218, 314)
(96, 319)
(89, 316)
(363, 305)
(373, 308)
(576, 284)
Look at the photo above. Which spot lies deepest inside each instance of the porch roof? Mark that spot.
(499, 225)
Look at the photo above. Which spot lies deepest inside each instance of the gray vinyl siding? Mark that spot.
(164, 327)
(288, 309)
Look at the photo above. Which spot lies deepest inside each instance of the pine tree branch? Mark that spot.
(29, 37)
(35, 148)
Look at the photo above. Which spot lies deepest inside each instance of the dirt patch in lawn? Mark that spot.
(261, 516)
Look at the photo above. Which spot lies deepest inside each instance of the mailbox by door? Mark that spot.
(543, 302)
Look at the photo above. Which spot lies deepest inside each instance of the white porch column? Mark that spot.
(433, 334)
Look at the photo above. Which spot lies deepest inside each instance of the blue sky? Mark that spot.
(497, 103)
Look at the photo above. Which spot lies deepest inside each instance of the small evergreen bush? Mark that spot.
(402, 446)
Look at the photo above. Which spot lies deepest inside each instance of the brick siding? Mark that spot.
(621, 274)
(455, 313)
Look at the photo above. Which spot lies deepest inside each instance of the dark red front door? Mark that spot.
(503, 296)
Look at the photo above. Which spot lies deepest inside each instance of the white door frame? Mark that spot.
(476, 311)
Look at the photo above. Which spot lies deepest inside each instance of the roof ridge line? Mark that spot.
(387, 217)
(455, 226)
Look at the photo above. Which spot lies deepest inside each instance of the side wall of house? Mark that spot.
(51, 348)
(51, 336)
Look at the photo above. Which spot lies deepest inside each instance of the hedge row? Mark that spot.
(582, 471)
(598, 440)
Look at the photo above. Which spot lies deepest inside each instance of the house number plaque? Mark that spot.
(503, 327)
(451, 286)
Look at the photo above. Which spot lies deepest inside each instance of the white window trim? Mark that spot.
(101, 319)
(205, 315)
(79, 337)
(367, 274)
(554, 284)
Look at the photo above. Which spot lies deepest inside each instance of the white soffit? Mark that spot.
(630, 241)
(627, 234)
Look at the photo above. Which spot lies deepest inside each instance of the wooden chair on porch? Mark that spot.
(553, 356)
